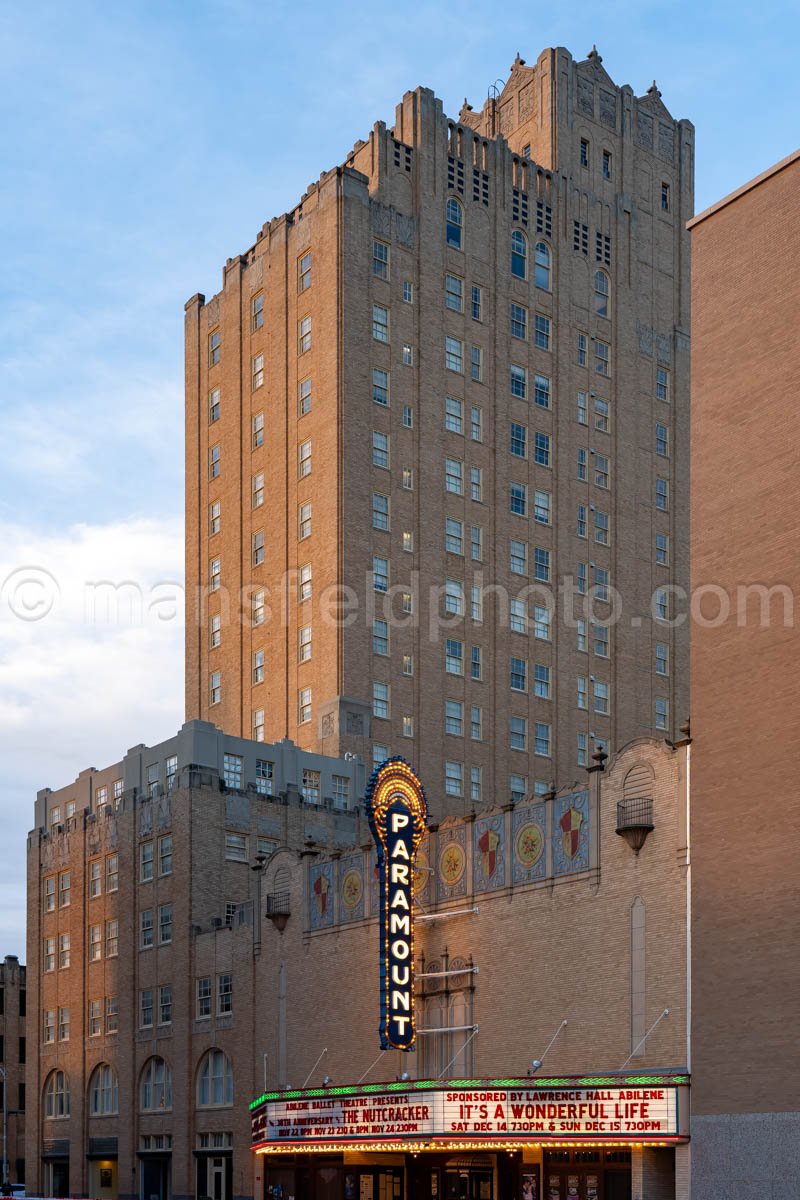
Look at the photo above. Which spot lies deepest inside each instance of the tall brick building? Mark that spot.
(745, 668)
(450, 388)
(13, 1053)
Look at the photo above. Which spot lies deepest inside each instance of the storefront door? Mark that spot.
(216, 1179)
(154, 1179)
(56, 1177)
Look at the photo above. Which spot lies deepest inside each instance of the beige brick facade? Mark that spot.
(600, 181)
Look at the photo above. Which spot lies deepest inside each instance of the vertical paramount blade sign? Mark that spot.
(397, 812)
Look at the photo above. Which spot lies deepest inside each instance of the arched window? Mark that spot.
(455, 223)
(155, 1091)
(601, 293)
(542, 266)
(215, 1080)
(519, 254)
(56, 1095)
(103, 1091)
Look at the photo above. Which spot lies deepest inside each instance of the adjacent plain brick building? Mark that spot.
(449, 384)
(13, 1053)
(745, 669)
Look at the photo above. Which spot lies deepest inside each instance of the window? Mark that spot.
(103, 1089)
(662, 549)
(454, 415)
(601, 697)
(662, 384)
(541, 681)
(542, 332)
(519, 321)
(224, 995)
(233, 770)
(408, 292)
(64, 889)
(541, 449)
(258, 724)
(95, 1019)
(453, 779)
(380, 700)
(213, 405)
(581, 574)
(165, 1005)
(408, 541)
(518, 787)
(454, 476)
(214, 347)
(601, 415)
(380, 574)
(215, 574)
(112, 939)
(662, 659)
(408, 664)
(541, 564)
(408, 479)
(519, 440)
(519, 254)
(454, 536)
(601, 578)
(215, 630)
(214, 517)
(258, 430)
(49, 894)
(145, 929)
(582, 464)
(518, 499)
(454, 355)
(454, 293)
(476, 664)
(581, 526)
(601, 528)
(408, 416)
(257, 372)
(582, 349)
(63, 1024)
(112, 873)
(476, 603)
(257, 312)
(380, 511)
(341, 791)
(380, 323)
(541, 391)
(214, 465)
(380, 260)
(101, 796)
(665, 197)
(584, 157)
(304, 335)
(454, 657)
(408, 355)
(518, 730)
(95, 943)
(215, 687)
(303, 706)
(165, 924)
(606, 164)
(601, 471)
(476, 424)
(215, 1079)
(56, 1095)
(662, 440)
(518, 615)
(380, 386)
(49, 954)
(582, 643)
(601, 293)
(476, 543)
(264, 775)
(519, 381)
(454, 597)
(541, 744)
(476, 303)
(95, 878)
(518, 554)
(476, 364)
(542, 261)
(304, 272)
(454, 223)
(583, 750)
(661, 604)
(155, 1092)
(476, 723)
(602, 357)
(476, 484)
(519, 675)
(303, 522)
(203, 998)
(303, 583)
(476, 784)
(235, 847)
(304, 643)
(583, 696)
(454, 718)
(601, 636)
(258, 548)
(379, 754)
(662, 713)
(304, 397)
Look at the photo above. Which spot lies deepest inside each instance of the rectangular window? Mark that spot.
(214, 347)
(601, 470)
(49, 1025)
(665, 197)
(380, 386)
(233, 770)
(518, 730)
(258, 724)
(581, 526)
(235, 847)
(518, 616)
(454, 597)
(264, 776)
(49, 954)
(541, 391)
(304, 335)
(582, 578)
(602, 357)
(584, 153)
(49, 894)
(380, 700)
(64, 889)
(476, 364)
(601, 697)
(662, 384)
(454, 476)
(213, 405)
(95, 944)
(601, 581)
(583, 692)
(542, 329)
(408, 479)
(95, 1021)
(582, 750)
(257, 430)
(145, 862)
(582, 641)
(519, 381)
(662, 495)
(257, 372)
(453, 779)
(541, 449)
(519, 440)
(583, 413)
(380, 511)
(454, 536)
(214, 518)
(476, 484)
(408, 354)
(304, 397)
(601, 415)
(408, 541)
(541, 744)
(519, 675)
(380, 323)
(601, 637)
(380, 450)
(476, 664)
(215, 687)
(541, 681)
(257, 550)
(518, 499)
(408, 292)
(476, 723)
(454, 415)
(304, 272)
(408, 416)
(519, 321)
(662, 659)
(541, 564)
(215, 574)
(203, 1003)
(476, 424)
(303, 706)
(408, 727)
(454, 293)
(112, 872)
(601, 528)
(662, 440)
(311, 786)
(408, 664)
(304, 459)
(145, 929)
(224, 995)
(476, 543)
(380, 574)
(341, 791)
(95, 878)
(165, 1005)
(380, 637)
(257, 312)
(582, 347)
(662, 713)
(518, 554)
(303, 584)
(63, 1024)
(112, 939)
(454, 718)
(380, 260)
(476, 784)
(582, 472)
(662, 549)
(477, 303)
(606, 164)
(454, 657)
(518, 787)
(454, 355)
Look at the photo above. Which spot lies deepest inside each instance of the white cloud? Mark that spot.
(84, 681)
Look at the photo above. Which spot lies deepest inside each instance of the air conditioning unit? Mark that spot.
(217, 923)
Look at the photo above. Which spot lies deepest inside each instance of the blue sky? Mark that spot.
(144, 144)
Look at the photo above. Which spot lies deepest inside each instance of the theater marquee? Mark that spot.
(430, 1114)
